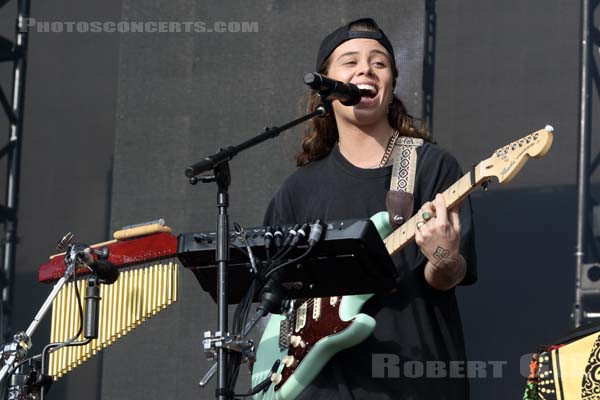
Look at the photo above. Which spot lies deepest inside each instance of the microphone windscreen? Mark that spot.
(107, 272)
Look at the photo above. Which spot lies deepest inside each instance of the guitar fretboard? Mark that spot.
(456, 193)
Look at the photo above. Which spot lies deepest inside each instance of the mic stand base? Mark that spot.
(28, 385)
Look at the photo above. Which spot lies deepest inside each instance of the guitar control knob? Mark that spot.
(296, 341)
(276, 378)
(289, 361)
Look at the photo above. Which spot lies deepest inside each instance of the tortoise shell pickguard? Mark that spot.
(327, 324)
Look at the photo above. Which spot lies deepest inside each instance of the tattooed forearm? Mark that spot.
(443, 272)
(443, 259)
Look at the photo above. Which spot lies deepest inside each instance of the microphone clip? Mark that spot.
(324, 107)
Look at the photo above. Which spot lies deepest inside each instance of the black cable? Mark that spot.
(62, 344)
(268, 240)
(240, 318)
(70, 342)
(285, 246)
(66, 343)
(59, 346)
(272, 293)
(278, 237)
(316, 230)
(258, 388)
(242, 234)
(242, 311)
(297, 234)
(264, 384)
(285, 264)
(250, 325)
(240, 325)
(281, 254)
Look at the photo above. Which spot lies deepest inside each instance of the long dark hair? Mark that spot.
(322, 133)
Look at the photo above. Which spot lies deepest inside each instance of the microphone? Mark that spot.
(92, 308)
(347, 93)
(106, 271)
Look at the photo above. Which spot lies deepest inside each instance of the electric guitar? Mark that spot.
(306, 336)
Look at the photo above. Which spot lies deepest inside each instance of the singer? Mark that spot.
(344, 171)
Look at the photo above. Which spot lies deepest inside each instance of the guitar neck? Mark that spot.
(453, 196)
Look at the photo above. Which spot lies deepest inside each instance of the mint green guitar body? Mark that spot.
(323, 327)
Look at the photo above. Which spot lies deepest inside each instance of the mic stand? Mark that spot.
(27, 382)
(219, 164)
(224, 155)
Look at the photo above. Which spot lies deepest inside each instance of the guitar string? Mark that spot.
(309, 303)
(294, 313)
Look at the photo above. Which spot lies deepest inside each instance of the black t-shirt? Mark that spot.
(418, 332)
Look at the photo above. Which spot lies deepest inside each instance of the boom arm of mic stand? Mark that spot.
(211, 162)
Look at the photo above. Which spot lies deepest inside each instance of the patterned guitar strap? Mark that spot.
(399, 200)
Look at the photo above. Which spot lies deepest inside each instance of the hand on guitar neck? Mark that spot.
(438, 237)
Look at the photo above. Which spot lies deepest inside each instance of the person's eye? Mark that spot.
(379, 64)
(350, 62)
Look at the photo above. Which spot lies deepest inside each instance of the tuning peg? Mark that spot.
(549, 128)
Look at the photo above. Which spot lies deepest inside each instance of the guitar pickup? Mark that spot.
(284, 334)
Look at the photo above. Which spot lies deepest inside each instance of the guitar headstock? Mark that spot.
(507, 161)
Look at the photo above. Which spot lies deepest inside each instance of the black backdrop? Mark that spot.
(502, 69)
(181, 97)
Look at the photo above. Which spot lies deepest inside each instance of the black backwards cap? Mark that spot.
(343, 34)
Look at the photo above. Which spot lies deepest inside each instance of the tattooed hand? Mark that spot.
(443, 258)
(439, 240)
